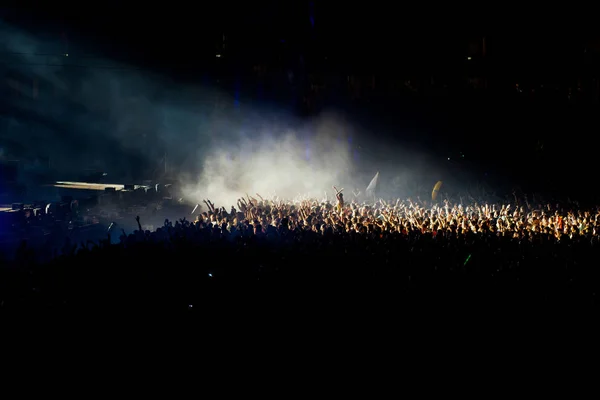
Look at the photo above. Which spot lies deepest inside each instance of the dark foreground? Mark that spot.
(204, 273)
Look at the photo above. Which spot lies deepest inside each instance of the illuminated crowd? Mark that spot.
(533, 251)
(406, 216)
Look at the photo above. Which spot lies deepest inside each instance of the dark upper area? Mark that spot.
(519, 90)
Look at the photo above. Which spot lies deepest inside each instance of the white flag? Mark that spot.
(373, 185)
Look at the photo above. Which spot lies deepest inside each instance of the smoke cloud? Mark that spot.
(277, 161)
(86, 112)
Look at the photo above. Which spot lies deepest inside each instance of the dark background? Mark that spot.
(520, 98)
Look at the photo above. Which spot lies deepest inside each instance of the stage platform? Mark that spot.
(88, 186)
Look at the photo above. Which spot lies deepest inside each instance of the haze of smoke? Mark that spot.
(116, 118)
(123, 119)
(282, 164)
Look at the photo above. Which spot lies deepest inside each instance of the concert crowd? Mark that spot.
(451, 250)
